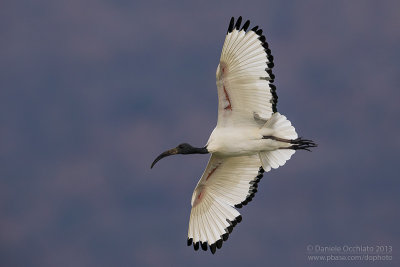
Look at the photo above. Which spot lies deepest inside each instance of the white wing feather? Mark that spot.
(225, 184)
(244, 79)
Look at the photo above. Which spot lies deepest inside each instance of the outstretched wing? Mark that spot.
(244, 77)
(225, 184)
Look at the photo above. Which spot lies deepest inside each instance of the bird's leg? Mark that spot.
(297, 144)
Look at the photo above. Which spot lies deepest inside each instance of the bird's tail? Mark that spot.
(277, 127)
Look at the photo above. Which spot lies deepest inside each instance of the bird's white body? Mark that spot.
(233, 141)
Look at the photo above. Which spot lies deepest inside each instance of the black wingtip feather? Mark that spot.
(238, 22)
(271, 75)
(213, 248)
(225, 236)
(231, 23)
(189, 241)
(203, 245)
(196, 246)
(254, 28)
(219, 243)
(246, 25)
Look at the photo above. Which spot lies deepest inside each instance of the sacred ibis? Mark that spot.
(250, 138)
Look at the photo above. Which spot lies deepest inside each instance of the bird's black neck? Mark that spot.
(199, 150)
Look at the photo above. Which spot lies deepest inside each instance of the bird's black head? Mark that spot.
(183, 148)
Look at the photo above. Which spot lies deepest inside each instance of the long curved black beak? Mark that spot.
(167, 153)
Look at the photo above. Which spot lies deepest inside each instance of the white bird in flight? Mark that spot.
(250, 138)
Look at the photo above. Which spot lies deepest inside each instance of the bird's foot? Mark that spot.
(302, 144)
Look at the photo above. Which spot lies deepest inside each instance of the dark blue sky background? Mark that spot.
(91, 91)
